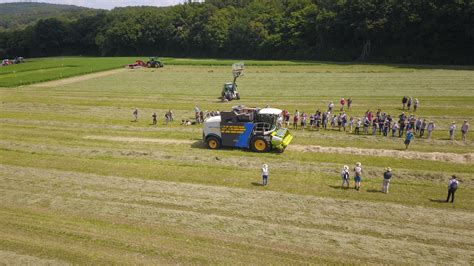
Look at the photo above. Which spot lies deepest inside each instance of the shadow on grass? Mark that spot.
(438, 200)
(339, 187)
(257, 184)
(199, 144)
(374, 191)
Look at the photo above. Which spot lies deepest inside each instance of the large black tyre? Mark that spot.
(213, 143)
(237, 96)
(260, 144)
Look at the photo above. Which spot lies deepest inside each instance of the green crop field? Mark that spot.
(81, 183)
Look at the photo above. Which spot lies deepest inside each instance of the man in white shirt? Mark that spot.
(265, 174)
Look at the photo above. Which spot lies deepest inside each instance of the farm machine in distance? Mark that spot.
(229, 91)
(249, 128)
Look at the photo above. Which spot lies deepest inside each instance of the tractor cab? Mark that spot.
(154, 63)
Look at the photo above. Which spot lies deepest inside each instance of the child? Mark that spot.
(452, 128)
(154, 119)
(345, 176)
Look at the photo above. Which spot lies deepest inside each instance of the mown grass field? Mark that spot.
(81, 183)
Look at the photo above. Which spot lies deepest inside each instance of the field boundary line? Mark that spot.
(78, 78)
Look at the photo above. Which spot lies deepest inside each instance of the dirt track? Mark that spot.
(71, 80)
(431, 156)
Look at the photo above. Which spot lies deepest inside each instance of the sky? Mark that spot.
(105, 4)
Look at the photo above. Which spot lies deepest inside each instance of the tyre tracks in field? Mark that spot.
(415, 155)
(305, 225)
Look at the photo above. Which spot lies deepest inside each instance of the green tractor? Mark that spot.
(154, 63)
(229, 91)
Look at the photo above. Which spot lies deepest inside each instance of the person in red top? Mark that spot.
(342, 102)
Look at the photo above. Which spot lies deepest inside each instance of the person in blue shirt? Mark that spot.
(408, 138)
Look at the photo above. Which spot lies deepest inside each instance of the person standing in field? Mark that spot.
(394, 128)
(452, 128)
(303, 121)
(154, 119)
(357, 175)
(349, 103)
(345, 176)
(357, 126)
(431, 126)
(330, 106)
(265, 173)
(422, 128)
(404, 101)
(408, 138)
(410, 100)
(415, 104)
(386, 179)
(464, 129)
(135, 115)
(342, 102)
(296, 117)
(452, 187)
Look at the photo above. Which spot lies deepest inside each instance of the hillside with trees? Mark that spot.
(16, 16)
(406, 31)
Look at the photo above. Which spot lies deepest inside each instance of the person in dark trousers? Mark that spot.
(452, 187)
(404, 101)
(345, 176)
(154, 119)
(135, 115)
(265, 174)
(408, 138)
(386, 179)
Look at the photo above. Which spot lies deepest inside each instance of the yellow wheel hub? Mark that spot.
(260, 145)
(212, 144)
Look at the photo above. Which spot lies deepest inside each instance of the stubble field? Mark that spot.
(81, 183)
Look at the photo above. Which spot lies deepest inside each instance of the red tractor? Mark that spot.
(137, 64)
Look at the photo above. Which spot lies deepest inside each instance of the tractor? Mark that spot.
(248, 128)
(229, 91)
(154, 63)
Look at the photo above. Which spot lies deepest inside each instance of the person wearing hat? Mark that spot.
(452, 128)
(452, 187)
(386, 179)
(464, 129)
(265, 174)
(345, 176)
(357, 175)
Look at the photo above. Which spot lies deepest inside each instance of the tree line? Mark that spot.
(402, 31)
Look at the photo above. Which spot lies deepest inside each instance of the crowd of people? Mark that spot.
(370, 123)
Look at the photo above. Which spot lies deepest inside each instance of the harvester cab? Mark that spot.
(249, 128)
(229, 91)
(154, 63)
